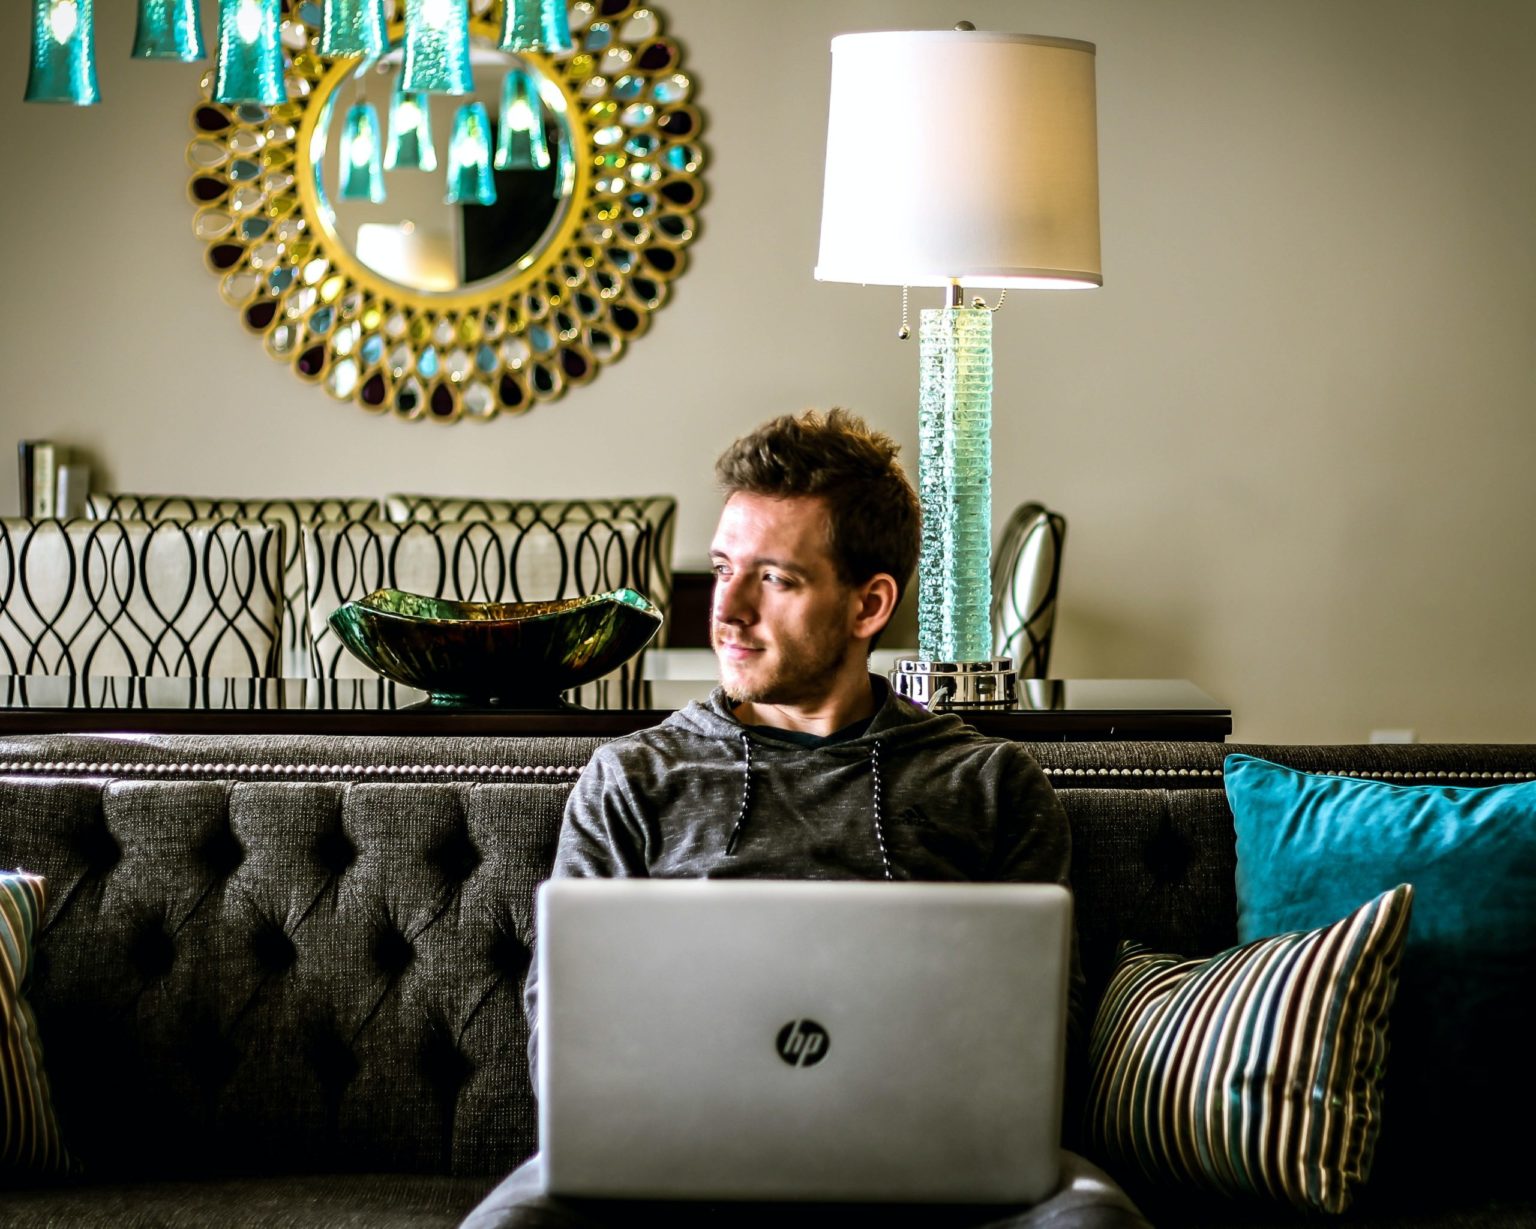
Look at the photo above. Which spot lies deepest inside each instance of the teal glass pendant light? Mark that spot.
(469, 158)
(536, 25)
(362, 159)
(248, 67)
(63, 65)
(410, 134)
(437, 47)
(354, 27)
(520, 143)
(169, 30)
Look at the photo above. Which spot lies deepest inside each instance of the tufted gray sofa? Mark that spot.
(279, 978)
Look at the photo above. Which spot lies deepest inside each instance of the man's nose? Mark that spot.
(731, 601)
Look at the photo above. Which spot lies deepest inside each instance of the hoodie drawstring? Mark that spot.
(746, 802)
(746, 795)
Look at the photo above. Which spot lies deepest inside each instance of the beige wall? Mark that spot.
(1294, 433)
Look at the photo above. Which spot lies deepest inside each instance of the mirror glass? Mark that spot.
(416, 308)
(413, 236)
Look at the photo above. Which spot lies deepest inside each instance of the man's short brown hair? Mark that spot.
(874, 521)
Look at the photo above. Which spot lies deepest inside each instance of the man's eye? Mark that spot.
(720, 569)
(773, 578)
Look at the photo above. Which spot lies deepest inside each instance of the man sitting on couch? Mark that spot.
(818, 537)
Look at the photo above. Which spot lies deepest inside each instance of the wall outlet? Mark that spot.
(1393, 736)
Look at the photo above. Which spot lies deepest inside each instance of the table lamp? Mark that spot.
(962, 159)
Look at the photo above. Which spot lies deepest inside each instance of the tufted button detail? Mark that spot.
(455, 856)
(152, 951)
(508, 955)
(445, 1065)
(273, 949)
(99, 849)
(392, 952)
(335, 851)
(1167, 856)
(333, 1060)
(221, 853)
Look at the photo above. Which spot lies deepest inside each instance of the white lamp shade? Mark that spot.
(961, 155)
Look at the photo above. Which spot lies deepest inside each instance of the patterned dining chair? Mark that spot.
(474, 561)
(1026, 572)
(657, 511)
(193, 599)
(289, 513)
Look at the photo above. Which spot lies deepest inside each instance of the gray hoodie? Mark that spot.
(916, 795)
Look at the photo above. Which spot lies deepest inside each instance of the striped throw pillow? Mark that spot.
(1257, 1071)
(30, 1139)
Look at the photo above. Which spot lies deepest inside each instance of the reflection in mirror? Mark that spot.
(412, 236)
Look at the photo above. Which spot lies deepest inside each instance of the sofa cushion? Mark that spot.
(1253, 1072)
(1307, 844)
(29, 1131)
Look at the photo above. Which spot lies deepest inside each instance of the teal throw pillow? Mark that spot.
(1308, 845)
(1255, 1072)
(29, 1132)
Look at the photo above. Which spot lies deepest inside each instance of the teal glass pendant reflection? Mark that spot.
(437, 47)
(63, 65)
(353, 27)
(169, 30)
(469, 158)
(536, 25)
(565, 170)
(520, 143)
(362, 169)
(248, 66)
(410, 134)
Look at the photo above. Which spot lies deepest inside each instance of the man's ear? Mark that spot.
(876, 603)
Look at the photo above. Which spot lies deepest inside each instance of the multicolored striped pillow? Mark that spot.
(29, 1132)
(1257, 1071)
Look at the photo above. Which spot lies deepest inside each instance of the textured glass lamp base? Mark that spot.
(938, 685)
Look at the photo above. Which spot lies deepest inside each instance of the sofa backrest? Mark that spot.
(286, 954)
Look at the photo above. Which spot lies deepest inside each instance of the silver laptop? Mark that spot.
(770, 1039)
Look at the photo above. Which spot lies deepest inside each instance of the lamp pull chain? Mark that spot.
(978, 301)
(904, 332)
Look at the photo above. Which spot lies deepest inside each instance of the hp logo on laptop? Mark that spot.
(803, 1043)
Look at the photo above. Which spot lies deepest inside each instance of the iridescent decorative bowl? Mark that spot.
(514, 654)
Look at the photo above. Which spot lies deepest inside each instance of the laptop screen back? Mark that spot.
(774, 1039)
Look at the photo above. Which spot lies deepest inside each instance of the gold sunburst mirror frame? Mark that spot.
(550, 319)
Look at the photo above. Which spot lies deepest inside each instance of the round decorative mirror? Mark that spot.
(414, 292)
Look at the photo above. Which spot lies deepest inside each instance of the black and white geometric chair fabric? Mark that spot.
(184, 599)
(473, 561)
(291, 514)
(657, 511)
(1026, 573)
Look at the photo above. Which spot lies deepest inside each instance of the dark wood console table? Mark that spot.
(1049, 710)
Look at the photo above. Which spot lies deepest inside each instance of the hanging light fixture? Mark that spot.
(362, 155)
(565, 170)
(536, 25)
(437, 47)
(520, 144)
(410, 133)
(354, 27)
(469, 158)
(249, 64)
(63, 53)
(169, 30)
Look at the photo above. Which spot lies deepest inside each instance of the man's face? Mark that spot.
(782, 622)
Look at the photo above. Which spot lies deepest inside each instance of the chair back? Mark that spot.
(473, 561)
(657, 511)
(1026, 572)
(184, 599)
(289, 513)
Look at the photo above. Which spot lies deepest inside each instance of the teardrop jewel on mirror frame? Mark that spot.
(584, 291)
